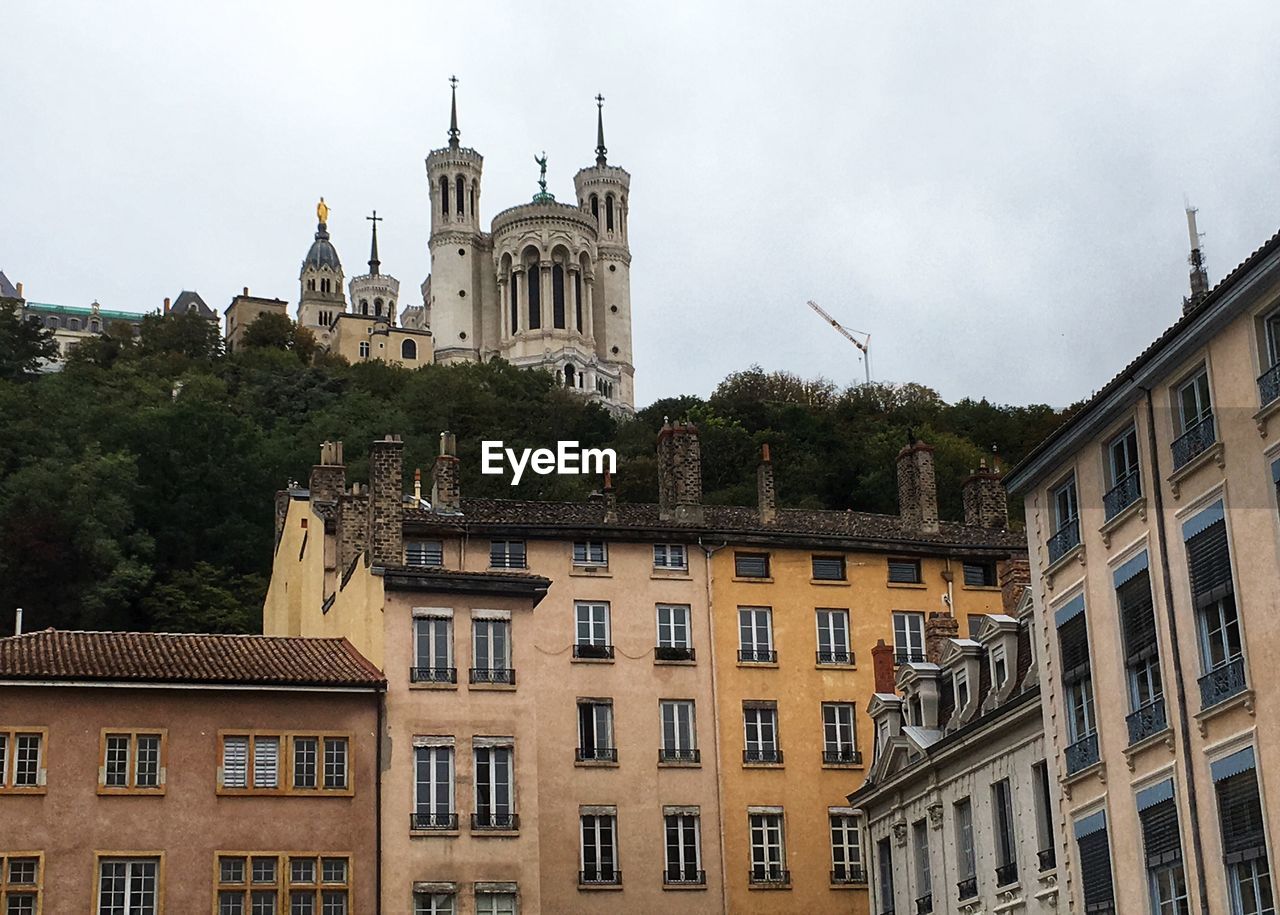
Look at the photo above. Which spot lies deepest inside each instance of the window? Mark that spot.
(595, 732)
(1095, 863)
(961, 682)
(433, 651)
(1162, 845)
(1142, 658)
(507, 554)
(131, 762)
(459, 193)
(846, 847)
(979, 574)
(1077, 685)
(1002, 823)
(21, 880)
(670, 556)
(22, 760)
(429, 553)
(1244, 839)
(253, 884)
(999, 666)
(1213, 594)
(433, 807)
(557, 296)
(592, 553)
(444, 195)
(1066, 514)
(433, 904)
(1124, 477)
(1044, 815)
(828, 568)
(495, 775)
(768, 857)
(761, 726)
(251, 763)
(679, 734)
(833, 637)
(591, 638)
(924, 880)
(491, 651)
(533, 291)
(884, 873)
(908, 637)
(755, 635)
(1193, 401)
(674, 640)
(128, 886)
(683, 849)
(838, 745)
(600, 848)
(966, 857)
(751, 565)
(363, 349)
(488, 903)
(904, 571)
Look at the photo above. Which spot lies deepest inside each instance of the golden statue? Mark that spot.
(322, 211)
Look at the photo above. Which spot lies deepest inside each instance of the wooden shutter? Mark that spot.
(1073, 642)
(1095, 867)
(1209, 558)
(1240, 810)
(1137, 618)
(1160, 835)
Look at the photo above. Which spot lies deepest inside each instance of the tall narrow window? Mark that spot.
(1196, 428)
(1095, 863)
(1044, 815)
(459, 193)
(495, 805)
(128, 886)
(679, 732)
(577, 299)
(755, 635)
(1162, 844)
(846, 847)
(433, 648)
(768, 857)
(266, 762)
(924, 879)
(674, 640)
(595, 206)
(683, 852)
(557, 296)
(761, 726)
(533, 277)
(591, 632)
(408, 350)
(491, 651)
(1244, 837)
(1006, 843)
(833, 637)
(838, 745)
(514, 291)
(608, 212)
(1142, 658)
(1213, 594)
(444, 195)
(884, 875)
(1077, 685)
(433, 788)
(600, 849)
(908, 638)
(966, 857)
(595, 732)
(1066, 520)
(20, 884)
(1124, 477)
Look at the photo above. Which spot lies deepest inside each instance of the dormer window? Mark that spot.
(962, 688)
(999, 667)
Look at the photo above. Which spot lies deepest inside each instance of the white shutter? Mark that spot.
(235, 762)
(266, 762)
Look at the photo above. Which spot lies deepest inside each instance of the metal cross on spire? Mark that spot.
(601, 152)
(454, 133)
(375, 265)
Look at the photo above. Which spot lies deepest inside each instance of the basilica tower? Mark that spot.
(375, 293)
(453, 296)
(321, 298)
(604, 191)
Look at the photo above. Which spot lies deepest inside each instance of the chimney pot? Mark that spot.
(766, 494)
(246, 290)
(19, 287)
(680, 474)
(446, 482)
(386, 502)
(882, 667)
(985, 501)
(917, 488)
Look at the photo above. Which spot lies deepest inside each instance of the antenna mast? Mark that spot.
(863, 345)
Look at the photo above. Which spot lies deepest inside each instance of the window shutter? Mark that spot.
(266, 757)
(1209, 559)
(1160, 833)
(1137, 618)
(235, 762)
(1073, 642)
(1239, 807)
(1095, 866)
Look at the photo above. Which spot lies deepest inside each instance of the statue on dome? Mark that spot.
(322, 211)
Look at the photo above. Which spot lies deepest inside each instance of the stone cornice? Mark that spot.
(544, 213)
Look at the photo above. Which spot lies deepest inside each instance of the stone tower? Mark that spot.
(321, 298)
(375, 293)
(452, 296)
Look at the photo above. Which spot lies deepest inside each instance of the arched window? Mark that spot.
(515, 302)
(324, 285)
(568, 376)
(51, 322)
(461, 193)
(311, 284)
(364, 306)
(95, 325)
(377, 307)
(535, 296)
(408, 350)
(73, 324)
(557, 296)
(595, 206)
(364, 349)
(577, 298)
(471, 201)
(608, 212)
(444, 195)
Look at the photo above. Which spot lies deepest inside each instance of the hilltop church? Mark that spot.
(548, 286)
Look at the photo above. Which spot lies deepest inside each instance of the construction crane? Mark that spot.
(863, 345)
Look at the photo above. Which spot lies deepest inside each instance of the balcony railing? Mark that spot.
(684, 876)
(1147, 720)
(596, 754)
(429, 822)
(762, 755)
(757, 655)
(842, 755)
(849, 873)
(493, 675)
(1196, 440)
(508, 822)
(593, 651)
(679, 754)
(433, 674)
(1066, 539)
(1119, 497)
(1007, 873)
(600, 876)
(924, 904)
(1221, 683)
(835, 657)
(1048, 858)
(967, 888)
(673, 653)
(909, 657)
(1269, 384)
(769, 875)
(1082, 754)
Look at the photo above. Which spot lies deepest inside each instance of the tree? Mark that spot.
(186, 334)
(24, 345)
(269, 329)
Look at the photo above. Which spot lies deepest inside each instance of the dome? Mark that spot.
(322, 253)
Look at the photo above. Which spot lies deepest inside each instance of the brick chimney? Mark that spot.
(329, 477)
(917, 489)
(882, 667)
(166, 304)
(1015, 577)
(19, 289)
(386, 502)
(985, 502)
(610, 501)
(937, 629)
(446, 482)
(352, 527)
(679, 474)
(766, 496)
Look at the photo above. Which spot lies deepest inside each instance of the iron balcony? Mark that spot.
(433, 674)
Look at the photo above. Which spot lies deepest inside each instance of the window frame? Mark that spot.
(768, 856)
(589, 560)
(755, 647)
(8, 888)
(681, 871)
(839, 727)
(284, 886)
(761, 716)
(1202, 395)
(433, 624)
(741, 556)
(1064, 497)
(673, 625)
(491, 625)
(593, 607)
(1127, 440)
(854, 864)
(129, 859)
(509, 561)
(599, 846)
(602, 718)
(428, 548)
(893, 575)
(908, 655)
(493, 809)
(684, 726)
(434, 787)
(285, 763)
(9, 760)
(827, 558)
(833, 651)
(666, 564)
(131, 785)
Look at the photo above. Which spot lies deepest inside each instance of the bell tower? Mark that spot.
(375, 293)
(453, 173)
(604, 191)
(321, 298)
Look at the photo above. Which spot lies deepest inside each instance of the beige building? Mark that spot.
(243, 311)
(1152, 523)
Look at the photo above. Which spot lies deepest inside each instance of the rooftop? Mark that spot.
(84, 310)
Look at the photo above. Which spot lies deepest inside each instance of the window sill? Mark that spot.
(430, 685)
(591, 660)
(910, 585)
(995, 588)
(1137, 507)
(39, 789)
(433, 833)
(844, 765)
(769, 887)
(284, 792)
(1095, 769)
(495, 833)
(848, 885)
(1133, 751)
(1267, 411)
(672, 574)
(590, 572)
(599, 887)
(835, 667)
(1213, 453)
(764, 765)
(104, 791)
(678, 764)
(595, 764)
(831, 582)
(1243, 698)
(491, 687)
(683, 663)
(684, 887)
(763, 664)
(768, 580)
(1076, 554)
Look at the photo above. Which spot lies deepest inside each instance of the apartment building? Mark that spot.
(1152, 524)
(144, 774)
(685, 707)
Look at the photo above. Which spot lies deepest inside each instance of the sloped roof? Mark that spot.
(7, 289)
(188, 300)
(157, 657)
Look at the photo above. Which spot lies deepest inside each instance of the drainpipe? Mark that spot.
(377, 797)
(1157, 498)
(715, 715)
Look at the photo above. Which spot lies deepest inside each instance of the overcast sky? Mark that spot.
(993, 190)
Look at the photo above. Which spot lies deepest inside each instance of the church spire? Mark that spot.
(1199, 275)
(601, 151)
(375, 265)
(454, 133)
